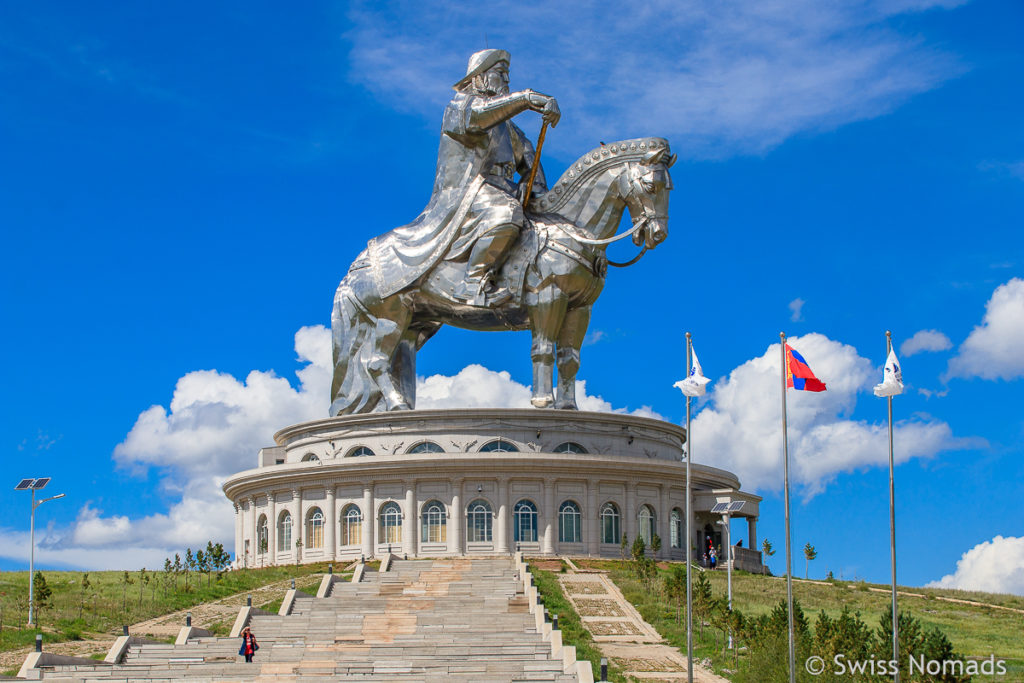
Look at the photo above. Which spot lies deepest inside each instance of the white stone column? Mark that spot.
(368, 519)
(501, 519)
(549, 516)
(629, 525)
(239, 542)
(330, 525)
(752, 532)
(272, 528)
(592, 521)
(298, 525)
(664, 523)
(458, 514)
(409, 520)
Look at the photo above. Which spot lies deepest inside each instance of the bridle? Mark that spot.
(634, 198)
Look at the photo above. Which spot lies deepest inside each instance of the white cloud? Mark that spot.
(993, 349)
(796, 306)
(741, 427)
(214, 427)
(718, 78)
(925, 340)
(995, 566)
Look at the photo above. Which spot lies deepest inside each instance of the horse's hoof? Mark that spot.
(566, 405)
(542, 401)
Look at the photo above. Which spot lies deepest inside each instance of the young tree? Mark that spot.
(675, 587)
(126, 581)
(168, 569)
(809, 554)
(143, 582)
(624, 545)
(655, 544)
(190, 565)
(703, 601)
(86, 585)
(638, 552)
(41, 594)
(177, 570)
(202, 562)
(768, 550)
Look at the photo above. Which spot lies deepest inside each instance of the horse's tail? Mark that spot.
(353, 389)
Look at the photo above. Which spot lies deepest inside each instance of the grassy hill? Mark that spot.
(977, 624)
(100, 605)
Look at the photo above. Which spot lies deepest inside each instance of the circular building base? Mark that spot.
(433, 483)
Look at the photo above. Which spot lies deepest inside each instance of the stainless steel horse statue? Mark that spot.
(555, 272)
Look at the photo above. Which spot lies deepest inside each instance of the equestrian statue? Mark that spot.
(490, 252)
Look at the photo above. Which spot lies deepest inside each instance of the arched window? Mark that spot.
(499, 446)
(610, 524)
(351, 525)
(434, 523)
(478, 521)
(569, 523)
(524, 522)
(315, 528)
(359, 452)
(426, 447)
(262, 534)
(284, 532)
(390, 523)
(678, 528)
(569, 447)
(648, 526)
(311, 457)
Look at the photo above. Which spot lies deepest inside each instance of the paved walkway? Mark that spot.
(622, 634)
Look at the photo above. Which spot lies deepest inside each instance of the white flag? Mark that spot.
(892, 378)
(694, 384)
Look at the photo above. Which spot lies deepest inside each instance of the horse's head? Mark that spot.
(646, 184)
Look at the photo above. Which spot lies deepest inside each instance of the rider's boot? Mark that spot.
(486, 258)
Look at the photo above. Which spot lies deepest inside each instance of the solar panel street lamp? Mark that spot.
(33, 485)
(726, 509)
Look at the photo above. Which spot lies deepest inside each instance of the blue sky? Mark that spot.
(185, 185)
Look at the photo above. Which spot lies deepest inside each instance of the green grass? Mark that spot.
(975, 631)
(570, 624)
(102, 609)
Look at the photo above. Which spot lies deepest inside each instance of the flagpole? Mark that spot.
(892, 527)
(789, 556)
(689, 535)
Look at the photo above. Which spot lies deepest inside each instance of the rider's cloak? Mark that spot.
(400, 257)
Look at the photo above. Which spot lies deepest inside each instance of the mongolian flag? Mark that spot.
(798, 373)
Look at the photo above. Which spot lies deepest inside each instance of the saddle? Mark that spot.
(445, 277)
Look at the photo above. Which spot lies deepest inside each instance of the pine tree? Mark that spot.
(624, 545)
(768, 550)
(809, 554)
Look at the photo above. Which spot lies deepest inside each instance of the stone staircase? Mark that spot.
(423, 620)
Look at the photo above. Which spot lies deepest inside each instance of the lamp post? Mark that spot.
(33, 485)
(726, 510)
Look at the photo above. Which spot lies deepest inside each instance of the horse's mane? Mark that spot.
(594, 162)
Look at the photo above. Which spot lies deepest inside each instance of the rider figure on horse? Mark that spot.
(475, 212)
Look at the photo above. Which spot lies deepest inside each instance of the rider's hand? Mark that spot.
(550, 112)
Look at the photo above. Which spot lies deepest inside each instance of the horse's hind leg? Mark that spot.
(545, 321)
(388, 333)
(570, 339)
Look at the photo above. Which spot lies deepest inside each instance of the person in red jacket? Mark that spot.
(249, 644)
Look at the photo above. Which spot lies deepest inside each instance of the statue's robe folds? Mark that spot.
(465, 158)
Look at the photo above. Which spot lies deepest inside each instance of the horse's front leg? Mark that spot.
(570, 339)
(545, 322)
